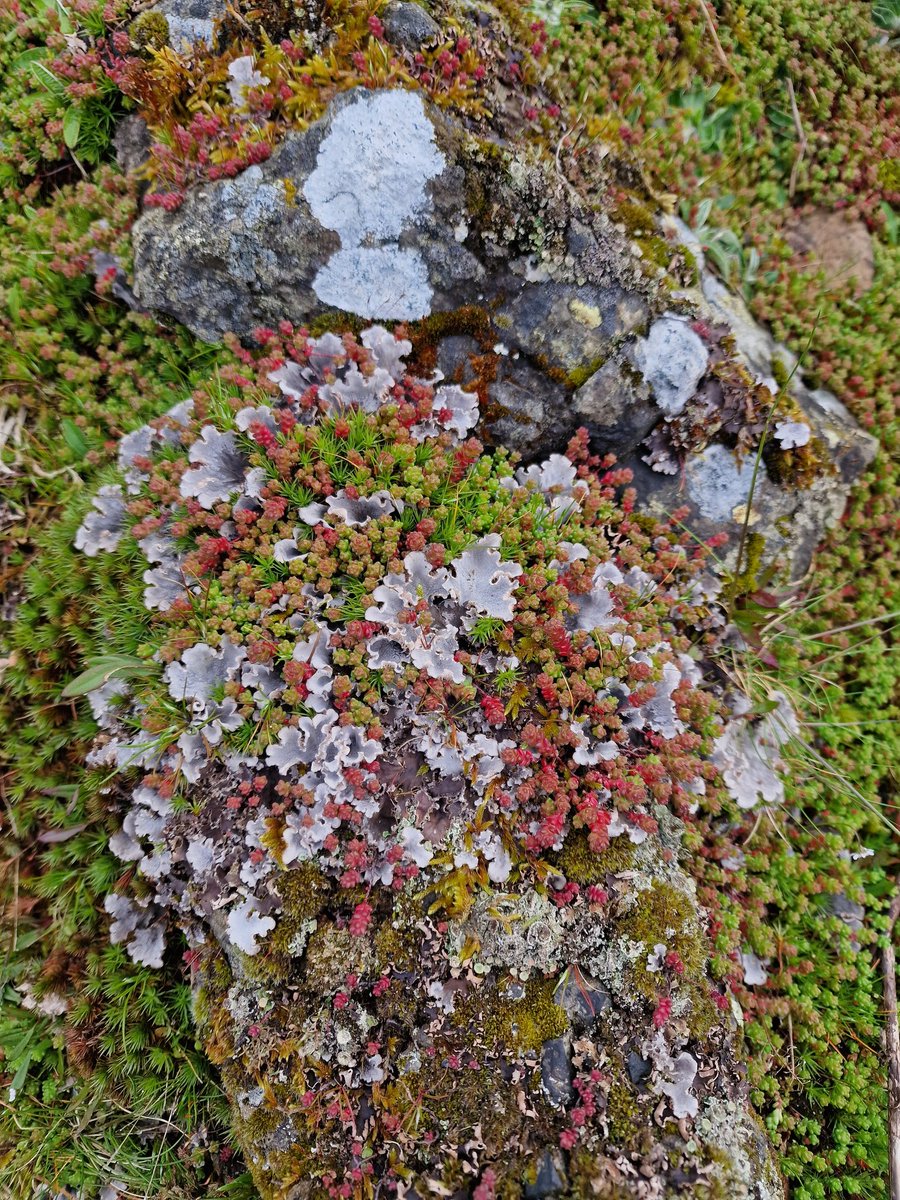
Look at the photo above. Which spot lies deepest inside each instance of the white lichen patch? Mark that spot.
(557, 479)
(792, 434)
(748, 752)
(103, 526)
(246, 926)
(243, 78)
(718, 484)
(673, 359)
(370, 186)
(376, 281)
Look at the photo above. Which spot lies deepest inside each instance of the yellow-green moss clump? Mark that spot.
(664, 914)
(149, 31)
(584, 866)
(515, 1025)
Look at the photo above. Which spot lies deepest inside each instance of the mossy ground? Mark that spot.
(706, 126)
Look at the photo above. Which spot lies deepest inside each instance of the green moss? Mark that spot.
(398, 940)
(149, 31)
(304, 891)
(492, 162)
(659, 909)
(475, 1097)
(259, 1125)
(692, 267)
(627, 1122)
(216, 978)
(655, 250)
(579, 376)
(888, 174)
(800, 466)
(637, 218)
(578, 862)
(518, 1025)
(746, 579)
(336, 322)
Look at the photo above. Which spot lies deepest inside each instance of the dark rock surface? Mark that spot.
(408, 25)
(132, 143)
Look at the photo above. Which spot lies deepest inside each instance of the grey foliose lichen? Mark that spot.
(434, 792)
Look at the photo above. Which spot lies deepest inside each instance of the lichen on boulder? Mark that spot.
(415, 791)
(395, 202)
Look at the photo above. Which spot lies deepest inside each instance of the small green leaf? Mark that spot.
(886, 15)
(14, 302)
(20, 1076)
(72, 126)
(763, 707)
(27, 57)
(73, 437)
(55, 6)
(47, 79)
(26, 940)
(103, 668)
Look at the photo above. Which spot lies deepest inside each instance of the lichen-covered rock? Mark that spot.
(391, 208)
(409, 765)
(408, 25)
(672, 360)
(773, 496)
(355, 214)
(370, 212)
(190, 20)
(443, 720)
(540, 1023)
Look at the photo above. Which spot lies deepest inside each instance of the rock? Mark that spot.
(569, 330)
(839, 248)
(248, 252)
(581, 998)
(722, 496)
(852, 914)
(556, 1072)
(787, 518)
(408, 25)
(390, 209)
(527, 409)
(549, 1179)
(132, 143)
(616, 407)
(672, 359)
(190, 20)
(748, 1170)
(639, 1069)
(108, 265)
(240, 1013)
